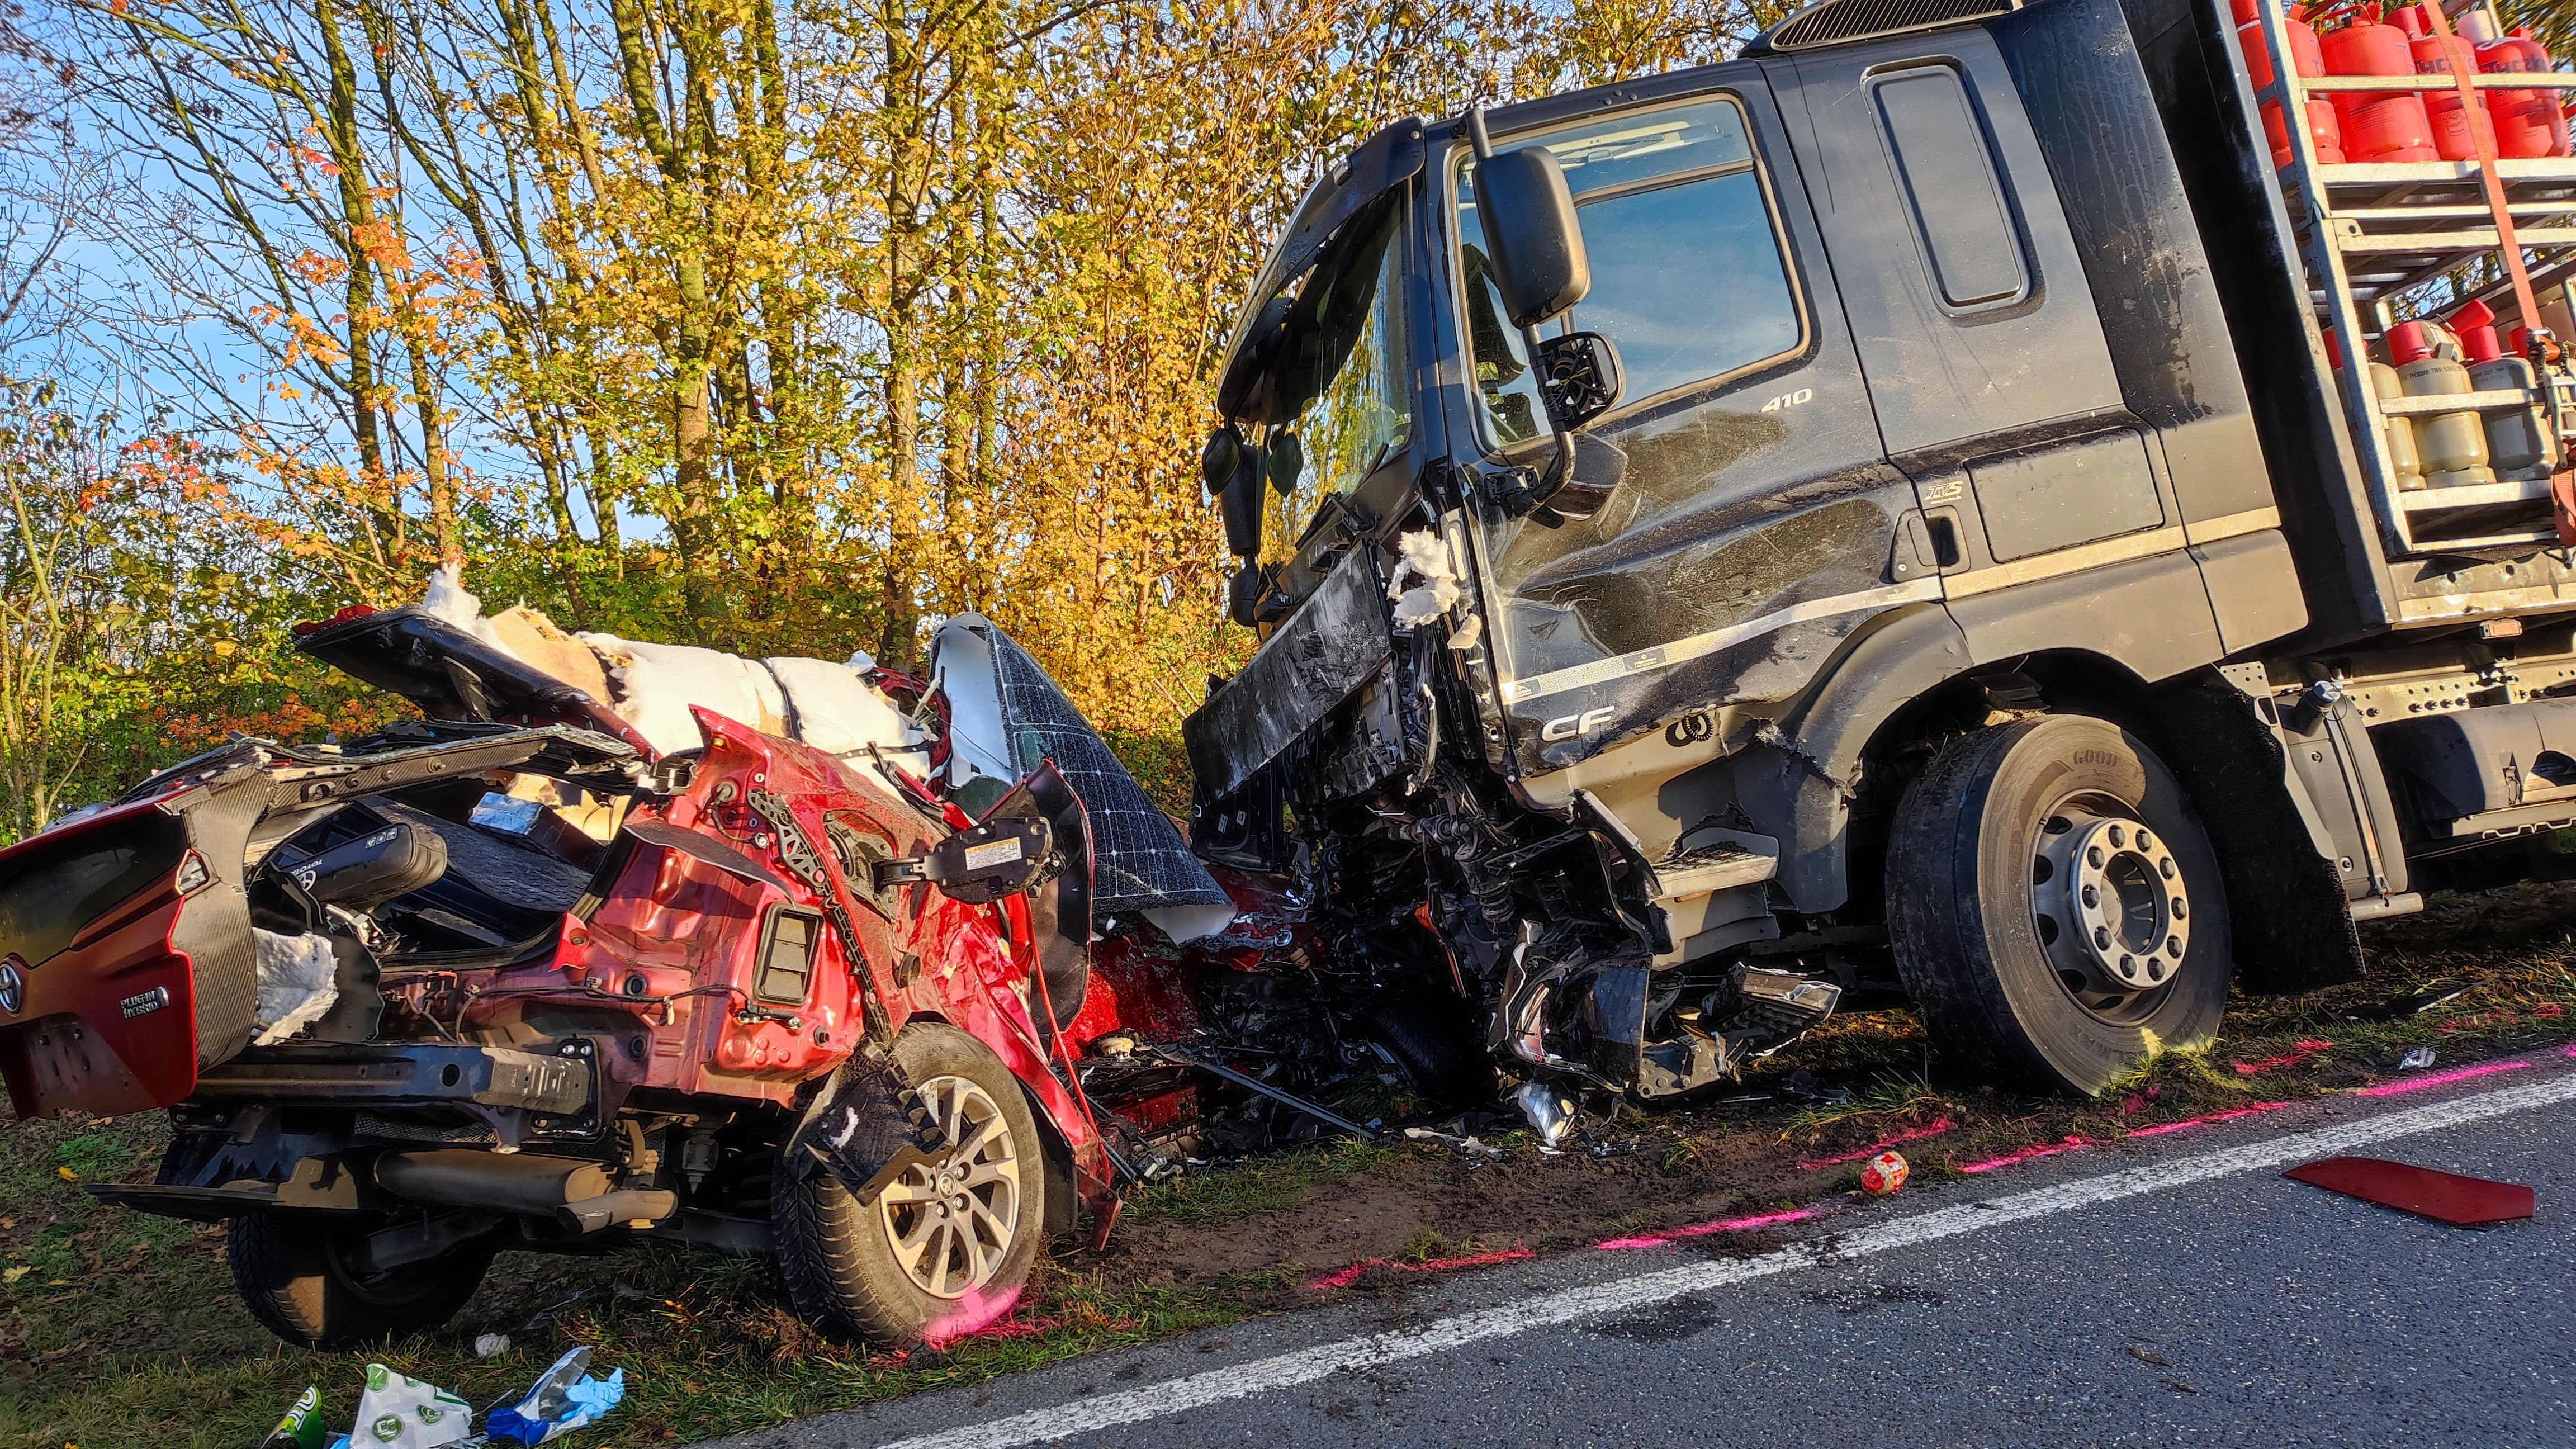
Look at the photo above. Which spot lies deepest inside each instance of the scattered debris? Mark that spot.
(1802, 1086)
(562, 1400)
(2148, 1355)
(1885, 1174)
(2466, 1202)
(1549, 1112)
(491, 1345)
(400, 1412)
(2416, 1059)
(2438, 1079)
(1934, 1128)
(1466, 1146)
(302, 1426)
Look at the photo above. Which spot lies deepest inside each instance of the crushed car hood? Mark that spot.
(452, 674)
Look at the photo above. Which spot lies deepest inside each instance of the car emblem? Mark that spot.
(13, 987)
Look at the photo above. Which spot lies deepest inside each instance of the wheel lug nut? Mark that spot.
(2102, 937)
(2146, 841)
(2178, 910)
(2173, 946)
(2093, 856)
(2165, 868)
(2118, 838)
(2155, 969)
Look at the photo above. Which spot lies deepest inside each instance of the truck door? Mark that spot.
(1976, 327)
(1753, 524)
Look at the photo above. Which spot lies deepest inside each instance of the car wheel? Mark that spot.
(296, 1275)
(2054, 905)
(943, 1243)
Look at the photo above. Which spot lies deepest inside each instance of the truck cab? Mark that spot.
(1808, 528)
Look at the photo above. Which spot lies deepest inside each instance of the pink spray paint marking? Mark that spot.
(1916, 1134)
(2027, 1154)
(2298, 1053)
(2161, 1128)
(1701, 1230)
(1345, 1277)
(2438, 1079)
(978, 1313)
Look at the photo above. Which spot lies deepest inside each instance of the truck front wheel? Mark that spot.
(2054, 906)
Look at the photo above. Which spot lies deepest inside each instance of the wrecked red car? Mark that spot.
(513, 977)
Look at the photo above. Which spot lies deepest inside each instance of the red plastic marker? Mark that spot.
(2466, 1202)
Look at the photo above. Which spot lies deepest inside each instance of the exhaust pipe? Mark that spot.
(571, 1190)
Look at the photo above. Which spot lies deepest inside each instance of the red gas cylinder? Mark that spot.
(2437, 55)
(2325, 131)
(2476, 325)
(2527, 123)
(2388, 126)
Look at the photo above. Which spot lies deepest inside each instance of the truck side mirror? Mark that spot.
(1536, 245)
(1235, 470)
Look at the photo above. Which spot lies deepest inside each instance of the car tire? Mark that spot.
(291, 1270)
(902, 1265)
(2054, 906)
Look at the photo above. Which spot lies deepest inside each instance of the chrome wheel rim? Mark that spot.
(2110, 905)
(953, 1221)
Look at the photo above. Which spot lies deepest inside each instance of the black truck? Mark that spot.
(1878, 513)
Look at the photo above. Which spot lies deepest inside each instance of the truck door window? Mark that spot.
(1687, 273)
(1943, 164)
(1342, 381)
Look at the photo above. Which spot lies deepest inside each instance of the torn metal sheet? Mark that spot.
(2466, 1202)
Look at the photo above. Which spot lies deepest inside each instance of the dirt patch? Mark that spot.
(1426, 1200)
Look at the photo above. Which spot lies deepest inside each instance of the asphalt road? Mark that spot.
(2102, 1307)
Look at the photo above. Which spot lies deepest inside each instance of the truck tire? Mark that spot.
(940, 1245)
(291, 1270)
(2054, 906)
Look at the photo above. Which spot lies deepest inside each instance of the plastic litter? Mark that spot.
(561, 1401)
(491, 1345)
(2416, 1059)
(302, 1427)
(401, 1412)
(2466, 1202)
(1548, 1111)
(1884, 1174)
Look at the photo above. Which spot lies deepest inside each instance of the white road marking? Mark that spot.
(1600, 1300)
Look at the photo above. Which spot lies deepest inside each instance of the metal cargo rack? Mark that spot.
(2371, 231)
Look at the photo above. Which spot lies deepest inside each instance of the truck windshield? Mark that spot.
(1340, 386)
(1687, 276)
